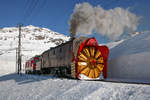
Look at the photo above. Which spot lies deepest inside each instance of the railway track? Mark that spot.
(123, 82)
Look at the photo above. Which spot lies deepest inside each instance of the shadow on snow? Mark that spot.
(24, 79)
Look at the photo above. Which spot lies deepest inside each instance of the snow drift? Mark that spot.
(30, 87)
(130, 59)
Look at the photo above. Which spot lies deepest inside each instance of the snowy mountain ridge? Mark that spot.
(35, 37)
(117, 42)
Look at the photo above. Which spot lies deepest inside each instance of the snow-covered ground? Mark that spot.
(129, 60)
(27, 87)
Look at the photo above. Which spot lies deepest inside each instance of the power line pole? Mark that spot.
(16, 59)
(19, 50)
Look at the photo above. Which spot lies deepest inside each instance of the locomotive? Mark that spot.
(80, 58)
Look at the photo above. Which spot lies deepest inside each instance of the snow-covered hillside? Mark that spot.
(35, 40)
(111, 45)
(129, 60)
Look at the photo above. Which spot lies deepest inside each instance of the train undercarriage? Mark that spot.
(54, 71)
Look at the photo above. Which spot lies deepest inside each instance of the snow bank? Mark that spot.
(8, 62)
(130, 59)
(30, 87)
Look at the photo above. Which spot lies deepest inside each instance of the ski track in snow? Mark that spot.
(31, 87)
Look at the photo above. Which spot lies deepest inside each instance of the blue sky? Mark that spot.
(55, 14)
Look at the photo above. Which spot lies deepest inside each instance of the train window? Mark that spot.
(60, 50)
(54, 52)
(70, 48)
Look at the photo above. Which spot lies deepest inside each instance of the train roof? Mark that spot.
(58, 46)
(52, 48)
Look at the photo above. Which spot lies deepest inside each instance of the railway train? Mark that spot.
(80, 58)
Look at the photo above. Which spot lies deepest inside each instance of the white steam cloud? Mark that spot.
(112, 23)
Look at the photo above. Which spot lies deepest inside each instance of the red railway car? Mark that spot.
(31, 65)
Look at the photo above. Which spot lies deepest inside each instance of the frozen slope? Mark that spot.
(130, 60)
(34, 40)
(27, 87)
(111, 45)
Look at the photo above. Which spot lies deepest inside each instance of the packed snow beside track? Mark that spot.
(129, 60)
(30, 87)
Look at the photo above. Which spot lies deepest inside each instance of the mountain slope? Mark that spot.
(34, 41)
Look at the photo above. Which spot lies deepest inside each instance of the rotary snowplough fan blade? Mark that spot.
(90, 62)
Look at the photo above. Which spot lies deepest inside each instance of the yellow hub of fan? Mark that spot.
(90, 63)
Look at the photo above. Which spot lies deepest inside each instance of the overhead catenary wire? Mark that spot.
(28, 5)
(31, 5)
(33, 9)
(40, 6)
